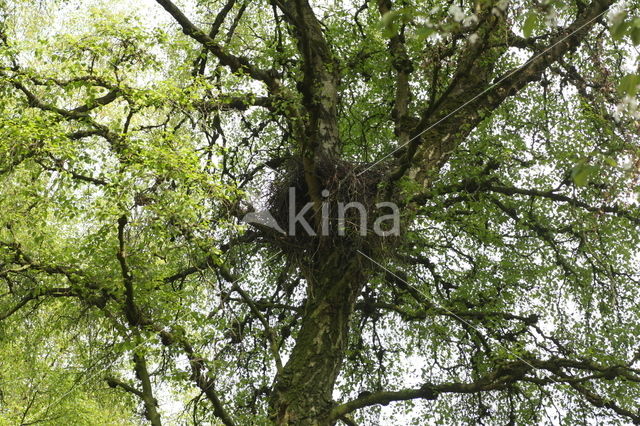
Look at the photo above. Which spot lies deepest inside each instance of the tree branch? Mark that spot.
(36, 294)
(150, 403)
(404, 67)
(234, 63)
(201, 62)
(506, 374)
(199, 374)
(554, 196)
(113, 383)
(273, 344)
(471, 97)
(131, 309)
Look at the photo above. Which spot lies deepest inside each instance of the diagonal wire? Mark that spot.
(453, 313)
(520, 68)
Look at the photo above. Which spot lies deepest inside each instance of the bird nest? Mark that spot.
(348, 214)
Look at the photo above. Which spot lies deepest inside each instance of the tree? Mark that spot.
(135, 140)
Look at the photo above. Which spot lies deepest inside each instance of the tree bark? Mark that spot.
(303, 392)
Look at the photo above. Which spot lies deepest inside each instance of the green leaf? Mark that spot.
(604, 308)
(424, 32)
(387, 18)
(530, 24)
(635, 35)
(581, 174)
(389, 24)
(629, 85)
(620, 25)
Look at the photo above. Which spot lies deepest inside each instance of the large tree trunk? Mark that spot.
(303, 392)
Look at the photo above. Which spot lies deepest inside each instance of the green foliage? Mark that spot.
(582, 172)
(530, 24)
(629, 85)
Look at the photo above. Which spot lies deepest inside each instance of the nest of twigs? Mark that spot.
(354, 186)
